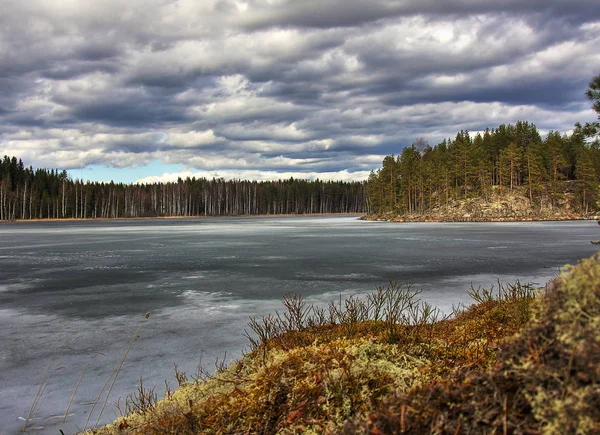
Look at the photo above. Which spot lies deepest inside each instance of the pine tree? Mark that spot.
(511, 159)
(535, 169)
(587, 177)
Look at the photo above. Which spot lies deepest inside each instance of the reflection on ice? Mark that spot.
(199, 276)
(334, 276)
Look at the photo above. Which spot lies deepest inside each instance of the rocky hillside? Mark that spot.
(499, 205)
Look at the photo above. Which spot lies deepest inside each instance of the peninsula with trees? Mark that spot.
(503, 173)
(506, 173)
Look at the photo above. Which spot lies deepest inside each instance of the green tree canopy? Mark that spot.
(593, 94)
(592, 129)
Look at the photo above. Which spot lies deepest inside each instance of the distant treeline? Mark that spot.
(423, 177)
(26, 193)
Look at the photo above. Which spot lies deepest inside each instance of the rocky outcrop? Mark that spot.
(498, 206)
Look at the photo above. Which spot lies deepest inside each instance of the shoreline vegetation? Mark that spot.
(399, 219)
(180, 217)
(429, 219)
(387, 218)
(27, 193)
(519, 360)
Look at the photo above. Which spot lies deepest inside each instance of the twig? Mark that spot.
(75, 391)
(39, 393)
(118, 369)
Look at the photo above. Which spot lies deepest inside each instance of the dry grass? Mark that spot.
(315, 370)
(546, 380)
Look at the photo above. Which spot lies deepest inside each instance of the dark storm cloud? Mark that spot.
(74, 70)
(126, 113)
(349, 13)
(542, 93)
(317, 85)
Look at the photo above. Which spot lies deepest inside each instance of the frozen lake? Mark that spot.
(74, 293)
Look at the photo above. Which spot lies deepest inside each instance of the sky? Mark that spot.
(151, 90)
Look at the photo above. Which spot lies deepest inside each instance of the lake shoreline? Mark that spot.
(363, 217)
(147, 218)
(435, 219)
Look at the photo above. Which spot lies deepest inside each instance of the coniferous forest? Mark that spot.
(504, 158)
(27, 193)
(499, 160)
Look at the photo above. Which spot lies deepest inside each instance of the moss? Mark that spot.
(546, 379)
(330, 378)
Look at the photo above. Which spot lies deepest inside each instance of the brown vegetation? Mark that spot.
(510, 364)
(547, 379)
(356, 354)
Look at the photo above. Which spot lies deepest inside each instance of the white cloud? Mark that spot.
(192, 138)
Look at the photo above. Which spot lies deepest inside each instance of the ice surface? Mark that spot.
(74, 294)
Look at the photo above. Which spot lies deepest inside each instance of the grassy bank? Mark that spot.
(511, 363)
